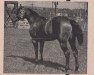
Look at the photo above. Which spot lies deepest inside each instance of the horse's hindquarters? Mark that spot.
(65, 31)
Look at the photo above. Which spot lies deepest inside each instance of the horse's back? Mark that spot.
(52, 26)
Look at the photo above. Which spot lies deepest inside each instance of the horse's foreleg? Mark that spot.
(41, 49)
(35, 43)
(66, 53)
(75, 52)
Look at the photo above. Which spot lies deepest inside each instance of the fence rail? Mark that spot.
(80, 15)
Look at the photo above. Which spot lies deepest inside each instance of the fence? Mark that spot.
(80, 15)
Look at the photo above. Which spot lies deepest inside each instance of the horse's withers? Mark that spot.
(62, 28)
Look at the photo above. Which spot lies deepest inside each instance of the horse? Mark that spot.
(59, 28)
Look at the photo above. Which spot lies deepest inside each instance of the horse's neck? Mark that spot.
(31, 19)
(30, 16)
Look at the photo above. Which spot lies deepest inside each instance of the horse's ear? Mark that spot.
(20, 7)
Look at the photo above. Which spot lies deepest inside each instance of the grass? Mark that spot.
(19, 55)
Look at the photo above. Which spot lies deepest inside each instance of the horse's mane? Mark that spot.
(33, 12)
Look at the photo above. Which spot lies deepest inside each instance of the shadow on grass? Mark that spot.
(46, 63)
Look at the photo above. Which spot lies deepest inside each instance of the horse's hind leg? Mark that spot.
(66, 53)
(35, 43)
(41, 49)
(75, 51)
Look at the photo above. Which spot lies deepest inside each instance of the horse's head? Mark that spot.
(21, 13)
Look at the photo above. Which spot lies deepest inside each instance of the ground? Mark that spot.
(19, 55)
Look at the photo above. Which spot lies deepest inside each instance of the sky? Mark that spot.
(70, 5)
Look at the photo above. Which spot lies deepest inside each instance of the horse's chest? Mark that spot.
(36, 30)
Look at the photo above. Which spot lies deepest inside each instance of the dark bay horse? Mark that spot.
(58, 28)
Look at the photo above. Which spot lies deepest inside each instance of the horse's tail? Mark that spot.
(80, 35)
(77, 31)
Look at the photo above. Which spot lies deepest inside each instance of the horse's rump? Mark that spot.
(59, 27)
(65, 31)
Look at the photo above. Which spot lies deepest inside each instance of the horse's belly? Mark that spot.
(41, 36)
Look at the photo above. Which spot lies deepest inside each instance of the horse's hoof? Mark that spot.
(67, 69)
(76, 69)
(66, 74)
(36, 60)
(41, 60)
(77, 72)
